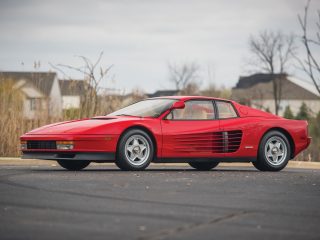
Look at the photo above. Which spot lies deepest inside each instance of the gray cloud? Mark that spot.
(140, 37)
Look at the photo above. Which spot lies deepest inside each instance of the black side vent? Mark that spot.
(232, 141)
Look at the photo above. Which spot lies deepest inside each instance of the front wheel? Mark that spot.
(274, 152)
(135, 150)
(73, 165)
(203, 166)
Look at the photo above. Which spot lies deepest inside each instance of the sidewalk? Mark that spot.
(19, 161)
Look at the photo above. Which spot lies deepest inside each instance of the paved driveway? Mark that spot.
(164, 202)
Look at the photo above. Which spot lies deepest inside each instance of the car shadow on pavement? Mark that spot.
(114, 170)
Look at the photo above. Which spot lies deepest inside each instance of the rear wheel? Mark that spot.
(135, 150)
(73, 165)
(203, 166)
(274, 152)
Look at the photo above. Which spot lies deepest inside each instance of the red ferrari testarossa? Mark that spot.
(201, 131)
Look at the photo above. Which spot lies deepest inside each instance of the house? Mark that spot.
(40, 91)
(72, 91)
(257, 91)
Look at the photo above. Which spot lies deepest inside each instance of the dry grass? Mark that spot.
(13, 124)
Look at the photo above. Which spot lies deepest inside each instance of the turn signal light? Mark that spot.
(65, 145)
(23, 145)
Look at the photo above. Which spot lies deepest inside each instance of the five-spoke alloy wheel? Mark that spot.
(135, 150)
(274, 152)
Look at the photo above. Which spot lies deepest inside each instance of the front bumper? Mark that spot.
(82, 143)
(89, 156)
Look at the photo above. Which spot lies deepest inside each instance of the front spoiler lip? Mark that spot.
(88, 156)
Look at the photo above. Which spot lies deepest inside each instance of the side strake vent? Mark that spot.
(232, 140)
(214, 142)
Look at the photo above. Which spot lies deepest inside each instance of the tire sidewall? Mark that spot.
(73, 165)
(122, 161)
(263, 159)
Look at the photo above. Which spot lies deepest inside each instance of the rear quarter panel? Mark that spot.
(257, 127)
(260, 122)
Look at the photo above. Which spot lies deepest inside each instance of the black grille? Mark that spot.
(41, 145)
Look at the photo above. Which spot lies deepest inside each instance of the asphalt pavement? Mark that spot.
(163, 202)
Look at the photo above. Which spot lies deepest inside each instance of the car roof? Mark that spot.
(185, 98)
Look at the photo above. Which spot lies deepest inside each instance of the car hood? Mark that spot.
(96, 125)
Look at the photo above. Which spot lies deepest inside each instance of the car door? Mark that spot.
(192, 132)
(233, 128)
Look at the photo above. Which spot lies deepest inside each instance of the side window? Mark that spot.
(194, 110)
(225, 110)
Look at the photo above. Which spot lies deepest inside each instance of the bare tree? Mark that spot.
(94, 74)
(191, 88)
(310, 65)
(272, 53)
(183, 75)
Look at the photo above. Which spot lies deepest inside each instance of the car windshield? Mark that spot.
(145, 108)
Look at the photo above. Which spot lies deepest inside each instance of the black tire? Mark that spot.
(263, 163)
(123, 159)
(73, 165)
(203, 166)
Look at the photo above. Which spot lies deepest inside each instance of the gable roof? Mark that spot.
(308, 86)
(249, 81)
(161, 93)
(254, 87)
(41, 80)
(72, 87)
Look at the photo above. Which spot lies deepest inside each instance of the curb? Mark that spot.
(26, 162)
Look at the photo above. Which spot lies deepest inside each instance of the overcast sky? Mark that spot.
(141, 37)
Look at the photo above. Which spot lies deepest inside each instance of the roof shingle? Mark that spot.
(42, 80)
(72, 87)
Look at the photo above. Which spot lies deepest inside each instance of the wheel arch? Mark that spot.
(147, 131)
(284, 132)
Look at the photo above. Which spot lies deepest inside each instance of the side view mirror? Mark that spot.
(178, 105)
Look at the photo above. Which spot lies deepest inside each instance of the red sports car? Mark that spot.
(200, 131)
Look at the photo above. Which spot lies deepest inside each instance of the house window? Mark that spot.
(35, 104)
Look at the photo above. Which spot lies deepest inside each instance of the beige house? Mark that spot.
(72, 92)
(40, 90)
(257, 91)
